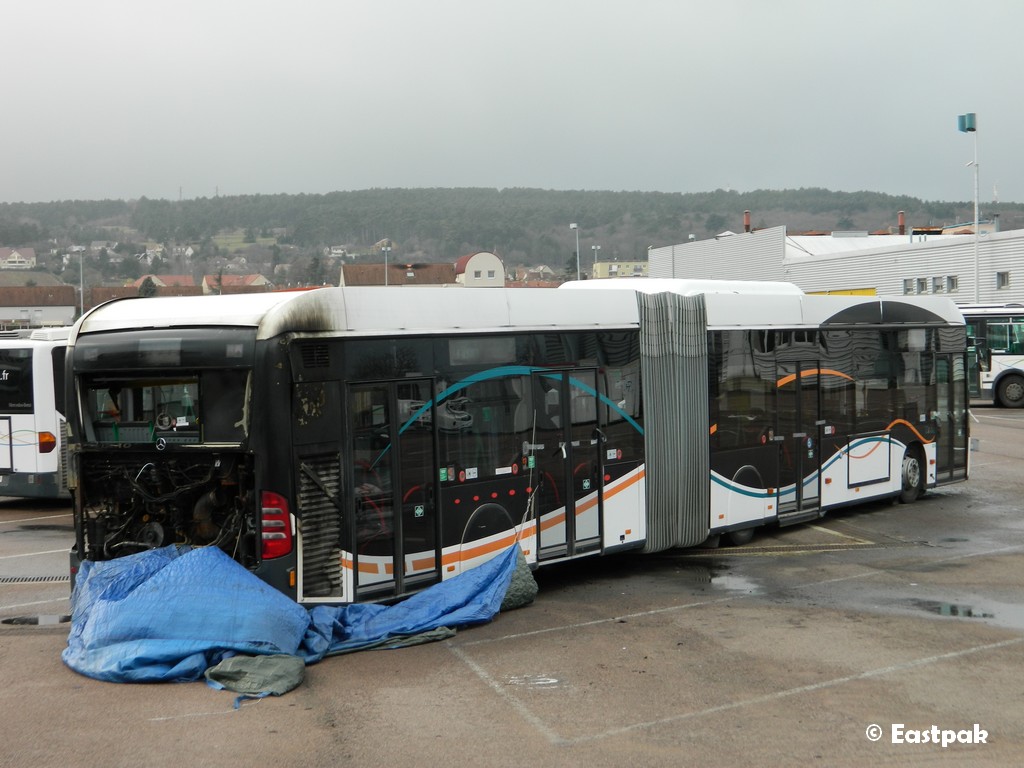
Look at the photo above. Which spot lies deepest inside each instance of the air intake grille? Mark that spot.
(320, 525)
(315, 356)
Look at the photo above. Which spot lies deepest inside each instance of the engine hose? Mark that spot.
(202, 516)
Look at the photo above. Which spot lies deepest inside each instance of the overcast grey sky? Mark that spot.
(131, 98)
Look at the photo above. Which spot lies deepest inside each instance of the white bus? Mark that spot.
(995, 335)
(353, 444)
(33, 448)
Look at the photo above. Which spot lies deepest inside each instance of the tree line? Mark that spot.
(524, 226)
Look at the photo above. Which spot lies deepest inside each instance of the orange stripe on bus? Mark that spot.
(815, 372)
(873, 448)
(912, 428)
(483, 549)
(471, 553)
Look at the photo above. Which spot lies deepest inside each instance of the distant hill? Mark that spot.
(524, 226)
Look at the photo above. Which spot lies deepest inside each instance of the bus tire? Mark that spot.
(1010, 392)
(740, 537)
(912, 475)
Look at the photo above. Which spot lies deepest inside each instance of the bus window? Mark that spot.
(482, 427)
(1006, 338)
(207, 407)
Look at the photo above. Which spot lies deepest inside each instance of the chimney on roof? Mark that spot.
(903, 223)
(746, 221)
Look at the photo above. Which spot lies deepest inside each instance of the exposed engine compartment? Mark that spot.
(130, 503)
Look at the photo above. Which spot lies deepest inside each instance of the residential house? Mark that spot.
(619, 268)
(482, 269)
(17, 258)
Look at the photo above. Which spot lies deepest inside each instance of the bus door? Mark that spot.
(951, 419)
(978, 357)
(568, 474)
(798, 435)
(391, 428)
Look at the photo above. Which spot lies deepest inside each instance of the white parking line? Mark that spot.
(1017, 420)
(35, 602)
(33, 519)
(33, 554)
(197, 714)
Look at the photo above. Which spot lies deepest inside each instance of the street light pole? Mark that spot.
(977, 224)
(595, 249)
(81, 283)
(386, 250)
(576, 227)
(969, 124)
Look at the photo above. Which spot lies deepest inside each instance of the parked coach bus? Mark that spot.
(354, 444)
(995, 336)
(33, 449)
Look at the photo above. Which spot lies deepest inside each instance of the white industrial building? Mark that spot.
(987, 269)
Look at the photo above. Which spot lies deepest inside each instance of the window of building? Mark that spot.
(908, 286)
(952, 283)
(490, 274)
(922, 285)
(1002, 280)
(476, 274)
(938, 285)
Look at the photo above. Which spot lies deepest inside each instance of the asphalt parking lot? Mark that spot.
(895, 622)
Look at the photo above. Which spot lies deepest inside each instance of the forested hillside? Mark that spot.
(524, 226)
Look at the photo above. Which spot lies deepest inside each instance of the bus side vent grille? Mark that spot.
(320, 525)
(315, 356)
(65, 458)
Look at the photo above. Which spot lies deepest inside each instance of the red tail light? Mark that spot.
(47, 442)
(276, 525)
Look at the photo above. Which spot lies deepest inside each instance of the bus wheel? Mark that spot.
(913, 476)
(741, 537)
(1011, 392)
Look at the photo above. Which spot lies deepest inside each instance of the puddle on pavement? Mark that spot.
(718, 576)
(1003, 614)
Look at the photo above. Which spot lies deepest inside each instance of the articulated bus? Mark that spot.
(359, 444)
(33, 448)
(995, 334)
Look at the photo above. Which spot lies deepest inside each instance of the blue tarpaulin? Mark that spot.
(169, 614)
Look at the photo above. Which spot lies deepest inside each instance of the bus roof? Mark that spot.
(757, 304)
(379, 311)
(368, 311)
(687, 287)
(992, 309)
